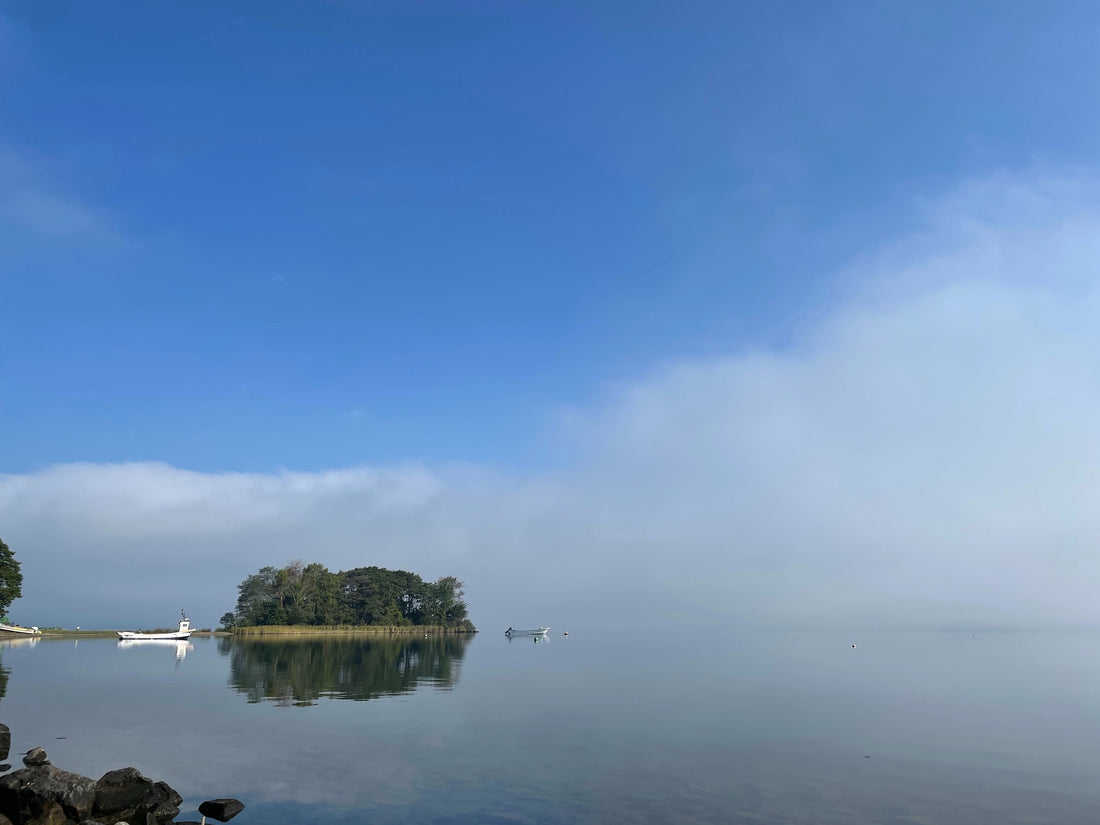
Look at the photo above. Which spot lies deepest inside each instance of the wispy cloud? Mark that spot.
(30, 202)
(925, 454)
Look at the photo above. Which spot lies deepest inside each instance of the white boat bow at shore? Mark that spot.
(24, 631)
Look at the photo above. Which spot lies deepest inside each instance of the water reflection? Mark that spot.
(537, 639)
(299, 671)
(7, 643)
(180, 648)
(4, 673)
(19, 641)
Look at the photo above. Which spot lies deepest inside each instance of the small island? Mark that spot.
(309, 598)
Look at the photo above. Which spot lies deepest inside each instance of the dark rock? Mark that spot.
(4, 820)
(5, 767)
(222, 810)
(5, 741)
(170, 794)
(35, 757)
(25, 793)
(120, 790)
(52, 814)
(126, 795)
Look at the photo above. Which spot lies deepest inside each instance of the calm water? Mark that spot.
(593, 728)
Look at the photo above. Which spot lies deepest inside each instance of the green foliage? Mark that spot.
(310, 594)
(11, 579)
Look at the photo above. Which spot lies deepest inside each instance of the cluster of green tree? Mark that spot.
(298, 672)
(310, 594)
(11, 579)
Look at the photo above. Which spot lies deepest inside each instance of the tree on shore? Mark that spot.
(11, 578)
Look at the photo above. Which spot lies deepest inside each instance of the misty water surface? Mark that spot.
(595, 727)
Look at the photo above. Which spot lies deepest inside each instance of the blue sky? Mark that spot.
(320, 234)
(769, 312)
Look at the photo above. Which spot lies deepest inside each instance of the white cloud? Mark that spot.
(925, 454)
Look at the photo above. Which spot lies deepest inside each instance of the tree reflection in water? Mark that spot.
(299, 671)
(5, 672)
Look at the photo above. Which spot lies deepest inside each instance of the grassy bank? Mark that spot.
(345, 630)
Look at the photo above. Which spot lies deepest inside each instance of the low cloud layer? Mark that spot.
(925, 455)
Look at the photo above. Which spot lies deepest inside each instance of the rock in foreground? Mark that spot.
(30, 794)
(35, 757)
(41, 794)
(126, 795)
(222, 810)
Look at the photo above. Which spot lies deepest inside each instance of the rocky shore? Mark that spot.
(41, 794)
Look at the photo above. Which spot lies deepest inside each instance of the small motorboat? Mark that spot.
(184, 632)
(541, 630)
(25, 631)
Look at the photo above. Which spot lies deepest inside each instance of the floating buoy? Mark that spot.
(853, 645)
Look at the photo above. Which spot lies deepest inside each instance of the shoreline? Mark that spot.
(264, 630)
(89, 635)
(349, 630)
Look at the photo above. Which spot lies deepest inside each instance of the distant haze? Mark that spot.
(924, 453)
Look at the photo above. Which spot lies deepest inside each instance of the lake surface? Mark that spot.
(754, 727)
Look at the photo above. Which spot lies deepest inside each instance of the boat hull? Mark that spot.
(22, 631)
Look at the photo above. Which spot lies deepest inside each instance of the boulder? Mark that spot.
(26, 793)
(5, 742)
(222, 810)
(35, 757)
(52, 814)
(126, 795)
(170, 794)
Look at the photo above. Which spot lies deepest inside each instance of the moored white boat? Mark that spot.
(184, 632)
(541, 630)
(25, 631)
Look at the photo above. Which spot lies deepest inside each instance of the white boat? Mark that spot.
(184, 632)
(14, 628)
(541, 630)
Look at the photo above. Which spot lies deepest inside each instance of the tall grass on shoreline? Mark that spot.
(345, 630)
